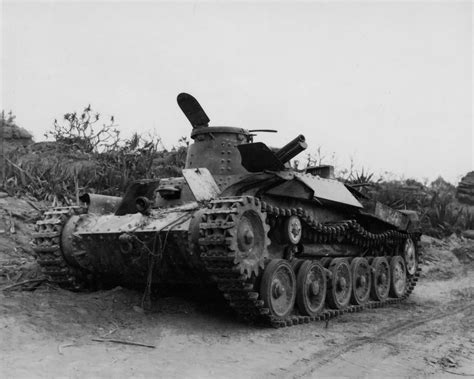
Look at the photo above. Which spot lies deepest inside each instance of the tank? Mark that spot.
(282, 246)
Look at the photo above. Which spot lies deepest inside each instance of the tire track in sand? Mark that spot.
(304, 367)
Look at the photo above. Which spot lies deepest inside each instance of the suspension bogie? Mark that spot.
(318, 287)
(338, 266)
(284, 281)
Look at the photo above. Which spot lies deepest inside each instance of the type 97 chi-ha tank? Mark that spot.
(282, 246)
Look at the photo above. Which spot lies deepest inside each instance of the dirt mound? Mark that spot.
(444, 259)
(465, 254)
(17, 219)
(465, 189)
(14, 132)
(15, 136)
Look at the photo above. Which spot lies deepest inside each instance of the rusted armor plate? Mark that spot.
(391, 216)
(159, 220)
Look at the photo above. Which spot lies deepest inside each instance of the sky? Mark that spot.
(387, 85)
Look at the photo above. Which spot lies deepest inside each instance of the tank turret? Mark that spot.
(213, 147)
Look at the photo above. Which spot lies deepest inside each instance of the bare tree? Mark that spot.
(85, 132)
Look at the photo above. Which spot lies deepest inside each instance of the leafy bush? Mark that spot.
(88, 157)
(440, 213)
(84, 133)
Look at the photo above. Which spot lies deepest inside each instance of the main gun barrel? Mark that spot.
(292, 149)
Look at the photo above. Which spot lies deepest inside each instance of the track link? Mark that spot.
(240, 292)
(47, 246)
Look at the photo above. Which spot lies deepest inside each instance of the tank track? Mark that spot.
(47, 246)
(241, 293)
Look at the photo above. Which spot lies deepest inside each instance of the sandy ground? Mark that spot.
(49, 333)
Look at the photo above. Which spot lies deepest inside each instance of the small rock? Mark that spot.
(3, 195)
(427, 240)
(138, 309)
(448, 362)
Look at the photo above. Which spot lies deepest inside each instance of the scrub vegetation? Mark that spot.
(87, 154)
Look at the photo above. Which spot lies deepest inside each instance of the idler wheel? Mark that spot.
(361, 281)
(409, 252)
(311, 288)
(398, 274)
(278, 288)
(381, 278)
(340, 285)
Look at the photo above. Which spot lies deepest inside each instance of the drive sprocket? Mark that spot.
(239, 227)
(250, 237)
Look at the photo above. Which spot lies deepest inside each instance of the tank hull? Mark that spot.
(202, 246)
(282, 246)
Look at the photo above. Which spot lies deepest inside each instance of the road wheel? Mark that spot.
(278, 288)
(381, 278)
(361, 281)
(398, 274)
(311, 288)
(340, 285)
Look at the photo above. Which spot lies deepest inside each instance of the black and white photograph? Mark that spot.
(236, 189)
